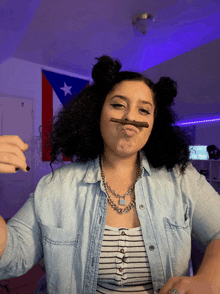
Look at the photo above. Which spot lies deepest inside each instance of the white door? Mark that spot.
(16, 118)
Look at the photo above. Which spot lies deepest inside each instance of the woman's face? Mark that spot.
(129, 100)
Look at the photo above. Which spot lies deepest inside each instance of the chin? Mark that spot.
(126, 153)
(124, 150)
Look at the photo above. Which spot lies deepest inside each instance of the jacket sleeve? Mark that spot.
(24, 243)
(206, 214)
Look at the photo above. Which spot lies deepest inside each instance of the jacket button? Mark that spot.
(121, 269)
(151, 248)
(122, 251)
(123, 233)
(141, 206)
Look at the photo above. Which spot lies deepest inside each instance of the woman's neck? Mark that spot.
(116, 163)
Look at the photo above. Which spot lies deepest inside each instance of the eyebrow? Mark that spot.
(125, 98)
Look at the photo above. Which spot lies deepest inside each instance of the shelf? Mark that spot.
(211, 170)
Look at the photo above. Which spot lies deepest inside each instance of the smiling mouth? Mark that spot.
(128, 122)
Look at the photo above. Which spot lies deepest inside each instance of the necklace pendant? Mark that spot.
(122, 202)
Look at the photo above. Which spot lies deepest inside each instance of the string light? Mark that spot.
(197, 122)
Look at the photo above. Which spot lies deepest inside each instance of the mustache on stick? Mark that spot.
(128, 122)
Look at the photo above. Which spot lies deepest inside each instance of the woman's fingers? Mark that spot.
(11, 154)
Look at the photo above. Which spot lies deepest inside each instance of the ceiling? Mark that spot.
(69, 34)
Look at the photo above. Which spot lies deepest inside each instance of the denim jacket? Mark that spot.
(64, 221)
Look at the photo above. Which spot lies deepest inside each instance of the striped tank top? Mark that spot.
(123, 263)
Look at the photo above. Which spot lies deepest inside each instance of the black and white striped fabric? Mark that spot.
(123, 264)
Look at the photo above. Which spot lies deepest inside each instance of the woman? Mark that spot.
(120, 217)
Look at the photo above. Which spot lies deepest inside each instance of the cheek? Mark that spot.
(105, 123)
(145, 137)
(146, 134)
(105, 118)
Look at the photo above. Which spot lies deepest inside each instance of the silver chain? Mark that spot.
(116, 194)
(114, 206)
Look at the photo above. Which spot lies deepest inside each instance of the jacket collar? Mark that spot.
(93, 173)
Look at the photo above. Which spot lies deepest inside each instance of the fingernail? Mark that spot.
(27, 168)
(16, 169)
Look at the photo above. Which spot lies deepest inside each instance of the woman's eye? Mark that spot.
(144, 110)
(117, 105)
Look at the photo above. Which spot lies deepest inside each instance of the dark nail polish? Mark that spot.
(27, 168)
(16, 169)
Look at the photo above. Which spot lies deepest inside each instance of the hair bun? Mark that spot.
(106, 69)
(166, 89)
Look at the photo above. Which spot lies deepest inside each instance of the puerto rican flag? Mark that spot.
(57, 90)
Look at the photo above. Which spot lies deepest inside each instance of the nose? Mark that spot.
(130, 115)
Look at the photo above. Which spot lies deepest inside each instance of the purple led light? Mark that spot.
(197, 122)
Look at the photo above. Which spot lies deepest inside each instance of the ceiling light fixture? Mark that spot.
(141, 21)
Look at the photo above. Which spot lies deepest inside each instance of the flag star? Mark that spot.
(66, 89)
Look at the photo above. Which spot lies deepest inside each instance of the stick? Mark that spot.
(128, 122)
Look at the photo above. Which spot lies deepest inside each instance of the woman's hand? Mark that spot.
(11, 154)
(190, 285)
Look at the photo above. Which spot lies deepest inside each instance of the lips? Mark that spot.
(130, 127)
(130, 130)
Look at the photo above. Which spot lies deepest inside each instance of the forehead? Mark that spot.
(132, 90)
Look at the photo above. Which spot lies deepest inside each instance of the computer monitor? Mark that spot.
(199, 152)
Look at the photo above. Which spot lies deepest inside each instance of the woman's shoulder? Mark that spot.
(75, 168)
(69, 172)
(190, 172)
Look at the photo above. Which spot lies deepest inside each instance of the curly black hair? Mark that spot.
(76, 133)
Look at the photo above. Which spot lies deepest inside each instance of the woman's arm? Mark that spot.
(3, 236)
(210, 267)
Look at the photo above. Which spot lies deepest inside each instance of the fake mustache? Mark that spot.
(128, 122)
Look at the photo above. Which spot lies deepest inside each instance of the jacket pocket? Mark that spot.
(178, 234)
(59, 247)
